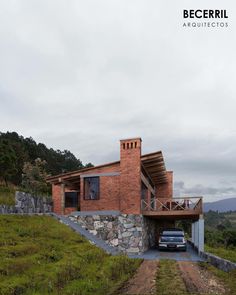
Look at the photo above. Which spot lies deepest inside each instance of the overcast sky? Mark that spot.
(80, 75)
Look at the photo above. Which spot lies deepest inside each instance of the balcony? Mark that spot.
(187, 207)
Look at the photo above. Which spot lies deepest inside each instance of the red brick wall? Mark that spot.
(109, 193)
(68, 210)
(56, 196)
(130, 178)
(165, 190)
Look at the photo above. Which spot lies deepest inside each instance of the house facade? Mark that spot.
(126, 202)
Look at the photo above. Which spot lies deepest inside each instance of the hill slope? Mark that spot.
(221, 206)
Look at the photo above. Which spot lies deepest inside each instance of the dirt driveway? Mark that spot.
(197, 280)
(144, 281)
(200, 281)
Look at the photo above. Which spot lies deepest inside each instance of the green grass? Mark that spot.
(39, 255)
(227, 278)
(7, 195)
(169, 280)
(229, 254)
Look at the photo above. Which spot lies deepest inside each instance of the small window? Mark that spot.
(91, 188)
(71, 199)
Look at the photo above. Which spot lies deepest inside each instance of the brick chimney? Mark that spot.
(130, 175)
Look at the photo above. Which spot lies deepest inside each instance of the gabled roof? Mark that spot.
(152, 163)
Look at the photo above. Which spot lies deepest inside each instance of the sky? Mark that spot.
(81, 75)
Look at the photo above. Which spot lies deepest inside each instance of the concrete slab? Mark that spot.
(189, 255)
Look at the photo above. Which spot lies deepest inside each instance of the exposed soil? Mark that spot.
(144, 281)
(200, 281)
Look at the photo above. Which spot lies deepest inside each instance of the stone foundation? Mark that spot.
(27, 203)
(128, 233)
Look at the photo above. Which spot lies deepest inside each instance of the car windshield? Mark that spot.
(173, 233)
(171, 239)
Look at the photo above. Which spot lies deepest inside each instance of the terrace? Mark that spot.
(180, 208)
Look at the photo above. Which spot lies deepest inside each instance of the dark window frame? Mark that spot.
(89, 198)
(74, 201)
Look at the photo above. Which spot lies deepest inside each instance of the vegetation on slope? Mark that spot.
(41, 256)
(169, 280)
(228, 278)
(7, 195)
(220, 234)
(229, 254)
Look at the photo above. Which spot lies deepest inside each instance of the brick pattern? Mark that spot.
(117, 192)
(56, 194)
(165, 190)
(130, 178)
(69, 210)
(57, 203)
(109, 194)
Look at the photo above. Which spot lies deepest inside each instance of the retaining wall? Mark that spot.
(128, 233)
(27, 203)
(218, 262)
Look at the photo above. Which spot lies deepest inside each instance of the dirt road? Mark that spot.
(144, 281)
(198, 280)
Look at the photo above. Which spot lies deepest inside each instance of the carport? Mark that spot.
(154, 253)
(163, 213)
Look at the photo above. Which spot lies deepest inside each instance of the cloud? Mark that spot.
(209, 193)
(80, 75)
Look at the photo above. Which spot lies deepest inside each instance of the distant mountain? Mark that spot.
(221, 206)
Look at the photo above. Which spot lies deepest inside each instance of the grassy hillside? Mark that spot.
(220, 234)
(41, 256)
(7, 195)
(229, 254)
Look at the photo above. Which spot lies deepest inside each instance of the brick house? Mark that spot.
(136, 190)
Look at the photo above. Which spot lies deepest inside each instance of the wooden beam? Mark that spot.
(149, 166)
(146, 182)
(152, 155)
(147, 174)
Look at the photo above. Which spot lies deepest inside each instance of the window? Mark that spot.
(91, 188)
(71, 199)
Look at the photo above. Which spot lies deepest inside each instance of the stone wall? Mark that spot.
(129, 233)
(27, 203)
(104, 227)
(218, 262)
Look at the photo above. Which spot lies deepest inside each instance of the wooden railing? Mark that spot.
(193, 204)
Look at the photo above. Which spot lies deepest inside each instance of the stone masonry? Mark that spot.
(27, 203)
(128, 233)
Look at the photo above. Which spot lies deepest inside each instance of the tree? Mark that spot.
(34, 177)
(27, 150)
(7, 160)
(229, 237)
